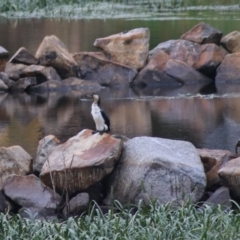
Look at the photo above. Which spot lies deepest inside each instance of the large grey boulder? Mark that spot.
(156, 168)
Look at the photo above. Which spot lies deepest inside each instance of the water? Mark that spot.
(210, 120)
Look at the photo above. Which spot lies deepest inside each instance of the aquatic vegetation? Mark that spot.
(148, 222)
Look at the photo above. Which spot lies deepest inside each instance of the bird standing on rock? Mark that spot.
(99, 116)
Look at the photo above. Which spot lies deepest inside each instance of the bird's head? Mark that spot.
(95, 97)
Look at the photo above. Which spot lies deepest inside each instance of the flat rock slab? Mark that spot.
(129, 48)
(156, 168)
(29, 191)
(81, 161)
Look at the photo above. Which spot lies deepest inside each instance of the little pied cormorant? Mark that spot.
(99, 116)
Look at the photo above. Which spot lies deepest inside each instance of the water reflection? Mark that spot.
(206, 122)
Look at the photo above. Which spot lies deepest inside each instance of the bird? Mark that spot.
(99, 116)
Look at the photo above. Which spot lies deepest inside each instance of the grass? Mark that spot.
(149, 222)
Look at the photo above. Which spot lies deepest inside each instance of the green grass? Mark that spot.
(152, 222)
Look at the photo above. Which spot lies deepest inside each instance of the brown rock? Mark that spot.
(154, 74)
(81, 161)
(24, 57)
(93, 54)
(42, 73)
(184, 73)
(229, 69)
(203, 33)
(24, 83)
(29, 191)
(3, 58)
(14, 160)
(229, 175)
(231, 42)
(212, 161)
(14, 70)
(129, 48)
(103, 71)
(52, 52)
(210, 58)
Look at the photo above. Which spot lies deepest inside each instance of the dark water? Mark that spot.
(208, 121)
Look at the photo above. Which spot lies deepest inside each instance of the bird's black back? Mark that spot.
(106, 119)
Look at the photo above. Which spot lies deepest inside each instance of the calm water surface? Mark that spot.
(208, 121)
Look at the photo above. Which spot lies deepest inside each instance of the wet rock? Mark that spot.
(220, 197)
(7, 81)
(212, 161)
(77, 205)
(3, 86)
(154, 74)
(4, 54)
(49, 86)
(24, 57)
(210, 58)
(30, 192)
(155, 168)
(81, 161)
(184, 73)
(229, 69)
(14, 160)
(231, 42)
(203, 33)
(45, 148)
(41, 73)
(129, 48)
(103, 71)
(80, 84)
(23, 84)
(229, 175)
(52, 52)
(14, 70)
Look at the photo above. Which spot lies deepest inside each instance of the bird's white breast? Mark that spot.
(97, 116)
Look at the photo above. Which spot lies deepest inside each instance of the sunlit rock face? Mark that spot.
(155, 168)
(52, 52)
(129, 48)
(23, 56)
(203, 33)
(229, 69)
(231, 42)
(81, 161)
(14, 160)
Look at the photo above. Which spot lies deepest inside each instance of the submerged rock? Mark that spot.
(155, 168)
(129, 48)
(81, 161)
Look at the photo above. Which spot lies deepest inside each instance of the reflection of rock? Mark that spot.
(24, 57)
(3, 86)
(129, 48)
(155, 168)
(231, 42)
(203, 33)
(81, 161)
(52, 52)
(103, 71)
(24, 83)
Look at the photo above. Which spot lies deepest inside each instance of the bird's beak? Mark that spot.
(89, 95)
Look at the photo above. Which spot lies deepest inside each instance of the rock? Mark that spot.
(103, 71)
(14, 70)
(231, 42)
(154, 74)
(184, 73)
(7, 81)
(14, 160)
(210, 58)
(3, 58)
(80, 84)
(41, 73)
(49, 86)
(129, 48)
(29, 191)
(77, 205)
(23, 84)
(52, 52)
(93, 54)
(156, 168)
(22, 56)
(4, 205)
(203, 33)
(229, 175)
(3, 86)
(212, 161)
(229, 69)
(220, 197)
(45, 148)
(81, 161)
